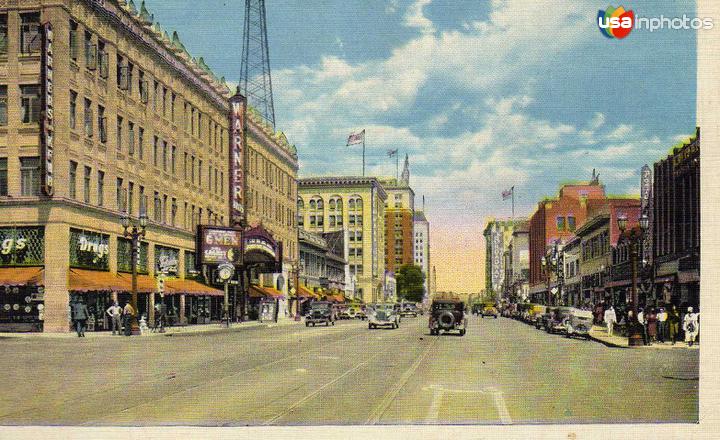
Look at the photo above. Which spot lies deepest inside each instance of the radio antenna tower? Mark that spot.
(255, 81)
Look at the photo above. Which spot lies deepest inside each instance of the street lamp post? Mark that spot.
(134, 232)
(634, 237)
(296, 280)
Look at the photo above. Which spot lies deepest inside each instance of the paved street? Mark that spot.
(502, 371)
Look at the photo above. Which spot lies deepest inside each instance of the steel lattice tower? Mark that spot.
(255, 80)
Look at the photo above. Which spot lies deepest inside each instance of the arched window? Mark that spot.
(355, 204)
(300, 212)
(313, 205)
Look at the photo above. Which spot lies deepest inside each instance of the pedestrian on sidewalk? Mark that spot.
(610, 319)
(673, 324)
(115, 314)
(80, 314)
(652, 326)
(128, 313)
(662, 328)
(691, 326)
(643, 322)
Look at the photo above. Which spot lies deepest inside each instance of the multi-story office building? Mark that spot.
(271, 194)
(399, 209)
(101, 112)
(421, 254)
(328, 204)
(497, 234)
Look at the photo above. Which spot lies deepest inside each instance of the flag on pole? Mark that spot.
(508, 193)
(392, 153)
(356, 138)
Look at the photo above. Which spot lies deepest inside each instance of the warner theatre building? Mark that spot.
(100, 112)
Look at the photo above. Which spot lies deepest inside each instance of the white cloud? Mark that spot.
(620, 132)
(597, 121)
(415, 17)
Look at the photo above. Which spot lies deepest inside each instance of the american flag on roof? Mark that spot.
(356, 138)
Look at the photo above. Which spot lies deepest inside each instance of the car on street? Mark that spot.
(579, 323)
(383, 315)
(409, 309)
(320, 312)
(447, 315)
(554, 320)
(489, 310)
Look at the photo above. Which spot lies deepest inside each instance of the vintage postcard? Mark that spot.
(334, 215)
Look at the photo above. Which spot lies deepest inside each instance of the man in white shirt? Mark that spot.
(691, 326)
(641, 320)
(662, 323)
(610, 319)
(115, 312)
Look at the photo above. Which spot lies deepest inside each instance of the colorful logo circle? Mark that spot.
(616, 22)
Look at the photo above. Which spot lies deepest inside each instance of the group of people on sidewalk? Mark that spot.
(658, 324)
(120, 317)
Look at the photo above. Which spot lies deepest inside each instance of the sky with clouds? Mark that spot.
(482, 95)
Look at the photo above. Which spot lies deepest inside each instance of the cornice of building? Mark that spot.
(342, 181)
(275, 142)
(140, 25)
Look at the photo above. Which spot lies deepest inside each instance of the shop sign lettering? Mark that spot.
(100, 250)
(10, 245)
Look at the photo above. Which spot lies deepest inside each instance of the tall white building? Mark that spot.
(421, 246)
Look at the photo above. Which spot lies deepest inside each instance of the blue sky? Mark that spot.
(482, 95)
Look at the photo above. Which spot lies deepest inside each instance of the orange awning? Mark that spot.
(191, 287)
(81, 280)
(145, 283)
(259, 291)
(21, 276)
(304, 292)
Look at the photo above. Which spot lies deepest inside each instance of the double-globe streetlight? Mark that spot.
(635, 237)
(134, 231)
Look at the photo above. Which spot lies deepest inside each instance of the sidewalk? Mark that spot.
(599, 334)
(199, 329)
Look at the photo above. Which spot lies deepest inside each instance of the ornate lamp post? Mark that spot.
(134, 232)
(634, 237)
(295, 267)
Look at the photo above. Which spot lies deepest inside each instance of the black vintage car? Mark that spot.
(320, 312)
(447, 315)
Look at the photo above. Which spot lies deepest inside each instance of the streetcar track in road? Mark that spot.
(156, 378)
(390, 396)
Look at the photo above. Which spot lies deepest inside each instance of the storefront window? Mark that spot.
(89, 250)
(124, 256)
(21, 308)
(22, 246)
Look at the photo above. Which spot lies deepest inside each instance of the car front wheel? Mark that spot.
(462, 332)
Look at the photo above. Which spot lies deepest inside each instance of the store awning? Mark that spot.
(21, 276)
(260, 291)
(690, 276)
(145, 283)
(191, 287)
(304, 292)
(82, 280)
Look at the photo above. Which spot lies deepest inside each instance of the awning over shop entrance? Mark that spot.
(21, 276)
(268, 292)
(304, 292)
(192, 287)
(82, 280)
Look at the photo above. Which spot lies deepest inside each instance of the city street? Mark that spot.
(502, 371)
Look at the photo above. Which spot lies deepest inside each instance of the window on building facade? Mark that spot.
(86, 184)
(3, 106)
(192, 170)
(165, 155)
(143, 200)
(88, 117)
(100, 188)
(157, 207)
(3, 35)
(119, 194)
(102, 123)
(30, 104)
(119, 131)
(30, 176)
(164, 101)
(560, 223)
(131, 198)
(73, 109)
(3, 176)
(73, 179)
(173, 154)
(155, 150)
(73, 41)
(142, 87)
(90, 52)
(200, 166)
(172, 107)
(173, 212)
(121, 73)
(131, 138)
(30, 33)
(141, 143)
(103, 60)
(156, 95)
(571, 223)
(164, 208)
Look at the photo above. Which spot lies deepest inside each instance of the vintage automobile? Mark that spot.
(536, 312)
(382, 315)
(489, 310)
(409, 309)
(554, 320)
(320, 312)
(476, 309)
(447, 315)
(579, 323)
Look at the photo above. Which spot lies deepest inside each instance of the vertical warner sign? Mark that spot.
(47, 129)
(237, 162)
(646, 184)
